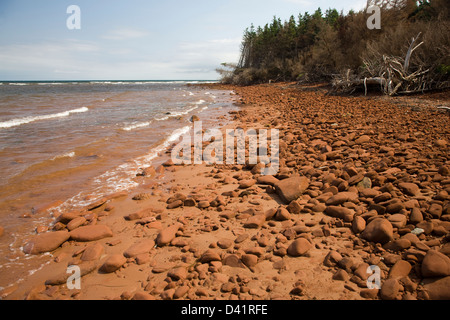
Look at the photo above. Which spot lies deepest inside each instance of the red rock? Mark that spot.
(410, 189)
(358, 224)
(250, 260)
(343, 213)
(139, 214)
(435, 264)
(113, 263)
(441, 143)
(86, 267)
(397, 220)
(224, 243)
(179, 273)
(75, 223)
(255, 221)
(92, 252)
(66, 217)
(142, 258)
(257, 251)
(91, 233)
(369, 293)
(175, 204)
(203, 204)
(299, 247)
(378, 230)
(369, 193)
(282, 214)
(361, 271)
(341, 275)
(210, 255)
(415, 216)
(437, 289)
(233, 260)
(400, 269)
(444, 171)
(138, 248)
(45, 242)
(362, 139)
(390, 289)
(342, 197)
(294, 207)
(180, 292)
(167, 235)
(398, 245)
(291, 188)
(244, 184)
(332, 258)
(267, 180)
(435, 210)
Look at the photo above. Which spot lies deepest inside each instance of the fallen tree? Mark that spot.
(393, 75)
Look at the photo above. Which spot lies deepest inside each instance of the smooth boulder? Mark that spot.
(378, 230)
(91, 233)
(46, 242)
(299, 247)
(435, 264)
(291, 188)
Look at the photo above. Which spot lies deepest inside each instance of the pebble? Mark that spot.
(299, 247)
(91, 233)
(250, 260)
(179, 273)
(342, 197)
(435, 264)
(138, 248)
(167, 235)
(291, 188)
(400, 269)
(343, 213)
(282, 214)
(255, 221)
(410, 189)
(390, 289)
(92, 252)
(46, 242)
(210, 255)
(378, 230)
(113, 263)
(358, 224)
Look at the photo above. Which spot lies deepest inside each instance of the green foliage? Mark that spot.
(316, 46)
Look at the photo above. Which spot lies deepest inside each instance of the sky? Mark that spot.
(134, 39)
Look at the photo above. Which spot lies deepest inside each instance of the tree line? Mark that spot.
(324, 45)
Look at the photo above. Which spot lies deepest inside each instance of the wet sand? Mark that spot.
(375, 192)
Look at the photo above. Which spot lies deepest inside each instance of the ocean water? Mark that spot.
(69, 143)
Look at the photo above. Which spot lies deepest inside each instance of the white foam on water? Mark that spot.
(121, 178)
(25, 120)
(65, 155)
(137, 125)
(176, 114)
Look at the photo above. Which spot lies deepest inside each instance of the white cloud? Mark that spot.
(125, 34)
(300, 2)
(76, 59)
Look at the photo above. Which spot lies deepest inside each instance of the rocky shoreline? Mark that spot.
(364, 182)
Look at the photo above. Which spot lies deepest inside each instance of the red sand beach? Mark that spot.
(370, 181)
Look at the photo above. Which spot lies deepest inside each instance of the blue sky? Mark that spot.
(134, 39)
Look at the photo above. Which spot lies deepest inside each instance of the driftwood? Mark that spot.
(393, 75)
